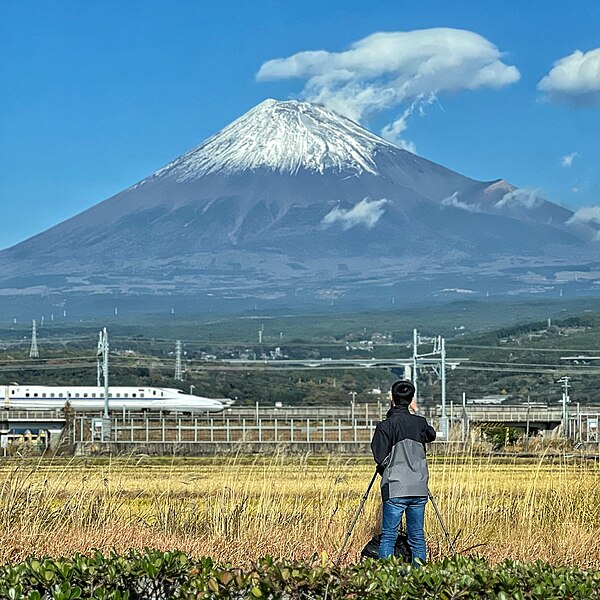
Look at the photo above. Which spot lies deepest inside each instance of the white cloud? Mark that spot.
(574, 80)
(387, 70)
(586, 214)
(454, 202)
(366, 212)
(567, 160)
(393, 131)
(520, 198)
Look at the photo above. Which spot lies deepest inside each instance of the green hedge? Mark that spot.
(154, 575)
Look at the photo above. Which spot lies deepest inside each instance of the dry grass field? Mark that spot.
(236, 509)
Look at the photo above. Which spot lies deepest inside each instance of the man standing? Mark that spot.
(398, 447)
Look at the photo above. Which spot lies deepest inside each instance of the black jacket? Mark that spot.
(398, 447)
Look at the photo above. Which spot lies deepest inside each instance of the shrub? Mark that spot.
(154, 575)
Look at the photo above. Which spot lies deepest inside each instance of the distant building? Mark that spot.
(491, 399)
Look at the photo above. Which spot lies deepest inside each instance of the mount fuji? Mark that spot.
(293, 204)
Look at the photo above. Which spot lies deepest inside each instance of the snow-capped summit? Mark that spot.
(282, 136)
(294, 204)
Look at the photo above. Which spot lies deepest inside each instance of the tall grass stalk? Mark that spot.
(235, 509)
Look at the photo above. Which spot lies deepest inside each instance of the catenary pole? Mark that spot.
(415, 354)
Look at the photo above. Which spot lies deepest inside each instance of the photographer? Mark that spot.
(398, 447)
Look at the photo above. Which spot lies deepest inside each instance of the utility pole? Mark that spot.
(527, 427)
(105, 372)
(178, 368)
(103, 354)
(414, 369)
(465, 421)
(565, 401)
(444, 418)
(99, 359)
(34, 352)
(437, 360)
(352, 406)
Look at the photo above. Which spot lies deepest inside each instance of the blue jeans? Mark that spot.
(393, 509)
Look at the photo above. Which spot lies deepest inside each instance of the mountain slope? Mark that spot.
(292, 197)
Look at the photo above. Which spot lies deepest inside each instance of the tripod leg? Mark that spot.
(364, 499)
(439, 516)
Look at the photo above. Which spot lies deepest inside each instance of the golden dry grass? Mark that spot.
(236, 509)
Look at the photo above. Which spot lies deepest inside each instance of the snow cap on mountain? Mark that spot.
(284, 136)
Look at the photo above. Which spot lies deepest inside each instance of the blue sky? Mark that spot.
(96, 95)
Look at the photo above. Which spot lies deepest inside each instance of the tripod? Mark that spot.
(361, 506)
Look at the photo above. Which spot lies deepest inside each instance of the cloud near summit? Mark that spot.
(390, 69)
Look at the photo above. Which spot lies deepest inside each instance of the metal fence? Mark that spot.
(148, 429)
(348, 427)
(323, 426)
(583, 427)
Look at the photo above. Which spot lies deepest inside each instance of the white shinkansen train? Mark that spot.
(91, 398)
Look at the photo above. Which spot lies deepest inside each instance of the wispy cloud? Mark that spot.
(520, 198)
(394, 69)
(567, 160)
(366, 212)
(393, 131)
(586, 214)
(574, 80)
(454, 202)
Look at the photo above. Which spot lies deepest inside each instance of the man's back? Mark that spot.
(399, 445)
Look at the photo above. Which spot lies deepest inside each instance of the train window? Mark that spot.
(133, 395)
(51, 394)
(110, 395)
(44, 394)
(125, 395)
(85, 395)
(77, 395)
(27, 395)
(60, 395)
(35, 395)
(141, 394)
(154, 392)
